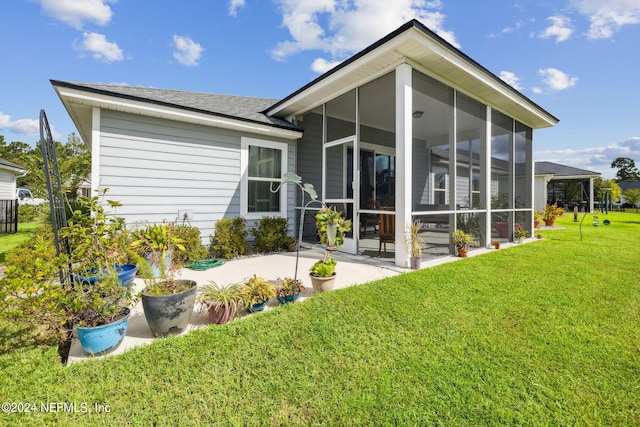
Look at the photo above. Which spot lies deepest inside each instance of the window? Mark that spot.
(263, 163)
(440, 186)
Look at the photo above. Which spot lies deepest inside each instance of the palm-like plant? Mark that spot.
(223, 302)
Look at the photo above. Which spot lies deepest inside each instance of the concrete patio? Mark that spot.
(351, 269)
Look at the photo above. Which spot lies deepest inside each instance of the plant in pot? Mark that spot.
(519, 233)
(222, 302)
(332, 228)
(462, 240)
(416, 243)
(289, 290)
(38, 286)
(167, 300)
(537, 218)
(550, 213)
(292, 244)
(257, 292)
(496, 243)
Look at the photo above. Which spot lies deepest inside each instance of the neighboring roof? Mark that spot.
(562, 171)
(233, 112)
(6, 164)
(629, 184)
(417, 45)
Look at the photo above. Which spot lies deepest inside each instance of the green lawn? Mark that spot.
(546, 333)
(10, 241)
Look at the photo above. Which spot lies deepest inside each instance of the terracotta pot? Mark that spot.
(462, 253)
(503, 229)
(536, 223)
(550, 222)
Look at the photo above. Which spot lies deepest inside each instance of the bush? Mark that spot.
(271, 234)
(194, 251)
(29, 213)
(230, 239)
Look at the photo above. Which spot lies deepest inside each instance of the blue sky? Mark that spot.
(578, 59)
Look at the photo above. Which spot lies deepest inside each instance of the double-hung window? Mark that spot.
(263, 163)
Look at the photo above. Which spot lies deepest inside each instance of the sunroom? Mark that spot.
(413, 129)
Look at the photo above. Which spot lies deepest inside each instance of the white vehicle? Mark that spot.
(25, 197)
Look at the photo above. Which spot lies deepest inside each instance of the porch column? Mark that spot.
(95, 150)
(591, 195)
(404, 142)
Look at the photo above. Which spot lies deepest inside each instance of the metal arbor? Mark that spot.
(54, 187)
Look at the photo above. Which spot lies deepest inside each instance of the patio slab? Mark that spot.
(351, 269)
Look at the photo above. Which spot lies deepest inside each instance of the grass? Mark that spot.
(10, 241)
(546, 333)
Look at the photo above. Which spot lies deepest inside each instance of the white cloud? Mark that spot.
(511, 79)
(343, 27)
(100, 48)
(321, 65)
(187, 52)
(77, 12)
(560, 29)
(556, 80)
(608, 16)
(234, 5)
(21, 126)
(598, 159)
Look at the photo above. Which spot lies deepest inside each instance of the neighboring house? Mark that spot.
(628, 185)
(9, 172)
(565, 185)
(411, 122)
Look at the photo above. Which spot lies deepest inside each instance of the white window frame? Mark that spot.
(434, 190)
(245, 143)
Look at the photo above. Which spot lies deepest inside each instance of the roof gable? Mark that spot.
(417, 45)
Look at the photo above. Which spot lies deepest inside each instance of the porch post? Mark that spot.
(591, 195)
(404, 142)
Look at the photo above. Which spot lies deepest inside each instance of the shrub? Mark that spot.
(29, 213)
(271, 234)
(194, 251)
(230, 239)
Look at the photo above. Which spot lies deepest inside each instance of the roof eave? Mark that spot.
(74, 97)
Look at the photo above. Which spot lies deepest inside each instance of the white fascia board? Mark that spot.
(171, 113)
(562, 177)
(12, 169)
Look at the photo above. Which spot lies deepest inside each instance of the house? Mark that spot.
(625, 185)
(9, 172)
(410, 122)
(565, 185)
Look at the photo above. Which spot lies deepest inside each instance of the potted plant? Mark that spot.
(257, 292)
(332, 228)
(222, 302)
(292, 244)
(462, 241)
(416, 243)
(519, 233)
(289, 290)
(496, 243)
(550, 213)
(98, 303)
(537, 218)
(167, 301)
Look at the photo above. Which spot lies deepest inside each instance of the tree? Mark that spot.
(600, 183)
(74, 164)
(632, 196)
(626, 169)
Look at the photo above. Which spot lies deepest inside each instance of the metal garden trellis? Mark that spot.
(54, 188)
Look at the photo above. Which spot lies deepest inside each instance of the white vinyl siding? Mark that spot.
(7, 185)
(159, 169)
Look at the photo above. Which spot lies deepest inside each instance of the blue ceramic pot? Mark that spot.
(98, 339)
(258, 306)
(288, 298)
(126, 274)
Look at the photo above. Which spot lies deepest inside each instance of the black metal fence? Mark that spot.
(8, 216)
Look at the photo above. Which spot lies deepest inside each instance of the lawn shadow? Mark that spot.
(15, 336)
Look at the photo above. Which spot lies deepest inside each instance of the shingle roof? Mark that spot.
(629, 184)
(236, 107)
(550, 168)
(7, 163)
